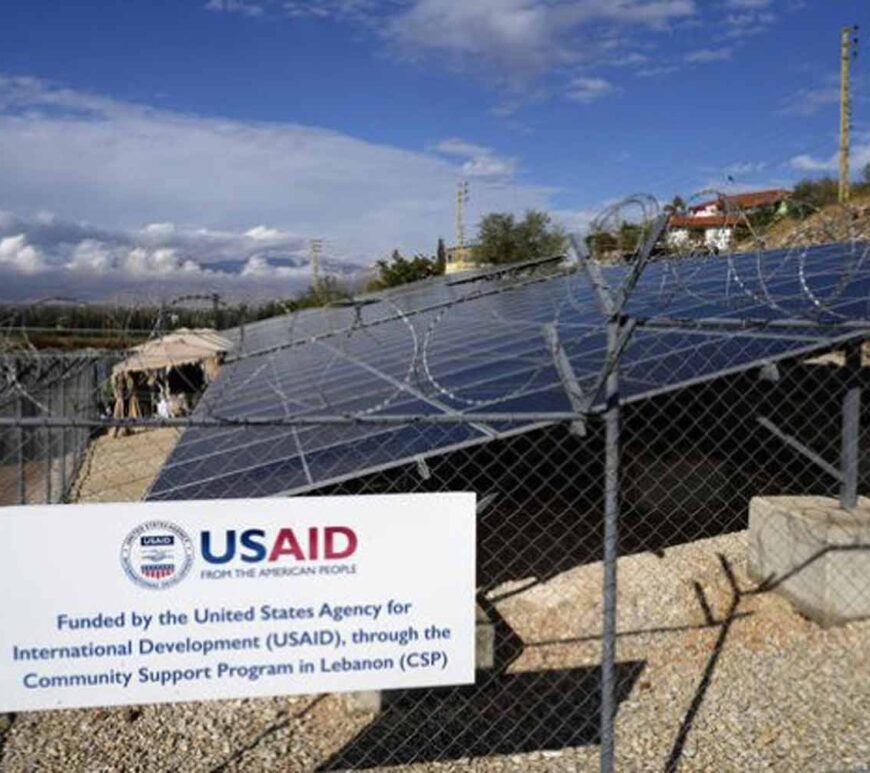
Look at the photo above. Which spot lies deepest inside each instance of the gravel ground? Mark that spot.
(738, 682)
(120, 469)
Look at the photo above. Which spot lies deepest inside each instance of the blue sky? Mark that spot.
(155, 136)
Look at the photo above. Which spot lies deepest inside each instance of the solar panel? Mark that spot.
(368, 307)
(484, 349)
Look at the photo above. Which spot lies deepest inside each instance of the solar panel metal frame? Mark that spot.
(813, 337)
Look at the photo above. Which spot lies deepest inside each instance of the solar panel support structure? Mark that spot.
(645, 250)
(850, 450)
(569, 380)
(593, 275)
(847, 473)
(795, 444)
(611, 547)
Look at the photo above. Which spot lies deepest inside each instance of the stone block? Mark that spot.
(364, 702)
(813, 552)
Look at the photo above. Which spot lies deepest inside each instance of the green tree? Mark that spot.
(323, 293)
(501, 239)
(601, 244)
(622, 243)
(677, 206)
(399, 270)
(812, 194)
(630, 236)
(440, 256)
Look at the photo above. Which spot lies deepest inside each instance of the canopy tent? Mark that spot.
(155, 359)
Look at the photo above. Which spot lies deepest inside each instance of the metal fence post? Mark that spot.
(63, 412)
(851, 422)
(19, 445)
(48, 451)
(611, 547)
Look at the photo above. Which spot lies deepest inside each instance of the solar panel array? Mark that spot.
(303, 325)
(482, 347)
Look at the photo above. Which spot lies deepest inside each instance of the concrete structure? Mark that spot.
(711, 231)
(815, 553)
(459, 259)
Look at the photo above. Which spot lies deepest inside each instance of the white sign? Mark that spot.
(112, 604)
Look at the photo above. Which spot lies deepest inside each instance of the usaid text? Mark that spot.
(319, 594)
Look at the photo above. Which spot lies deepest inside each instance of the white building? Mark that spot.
(713, 223)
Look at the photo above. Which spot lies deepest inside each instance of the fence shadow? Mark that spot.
(500, 714)
(731, 615)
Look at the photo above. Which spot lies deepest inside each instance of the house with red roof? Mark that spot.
(713, 223)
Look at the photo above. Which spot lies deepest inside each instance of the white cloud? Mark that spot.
(364, 11)
(658, 70)
(859, 157)
(489, 166)
(806, 163)
(79, 260)
(632, 59)
(509, 42)
(244, 7)
(524, 38)
(457, 147)
(91, 255)
(159, 230)
(744, 4)
(586, 90)
(100, 160)
(740, 168)
(142, 262)
(262, 233)
(480, 161)
(260, 268)
(17, 254)
(809, 101)
(709, 55)
(742, 24)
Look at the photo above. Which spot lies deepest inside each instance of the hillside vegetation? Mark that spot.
(831, 223)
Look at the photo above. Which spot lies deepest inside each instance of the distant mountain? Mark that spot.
(43, 257)
(290, 263)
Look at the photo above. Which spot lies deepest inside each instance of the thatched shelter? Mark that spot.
(174, 368)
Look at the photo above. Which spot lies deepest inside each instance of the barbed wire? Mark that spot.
(783, 284)
(425, 389)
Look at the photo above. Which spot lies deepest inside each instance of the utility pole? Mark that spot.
(848, 49)
(461, 201)
(316, 248)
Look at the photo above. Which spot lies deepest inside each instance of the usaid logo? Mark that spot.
(157, 554)
(327, 543)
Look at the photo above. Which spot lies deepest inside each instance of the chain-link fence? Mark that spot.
(672, 565)
(38, 466)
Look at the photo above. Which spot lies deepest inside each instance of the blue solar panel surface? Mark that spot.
(481, 347)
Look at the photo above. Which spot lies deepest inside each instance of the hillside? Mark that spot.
(831, 223)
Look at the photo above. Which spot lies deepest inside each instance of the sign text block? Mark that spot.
(112, 604)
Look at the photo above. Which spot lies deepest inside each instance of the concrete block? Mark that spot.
(813, 552)
(365, 701)
(484, 657)
(484, 639)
